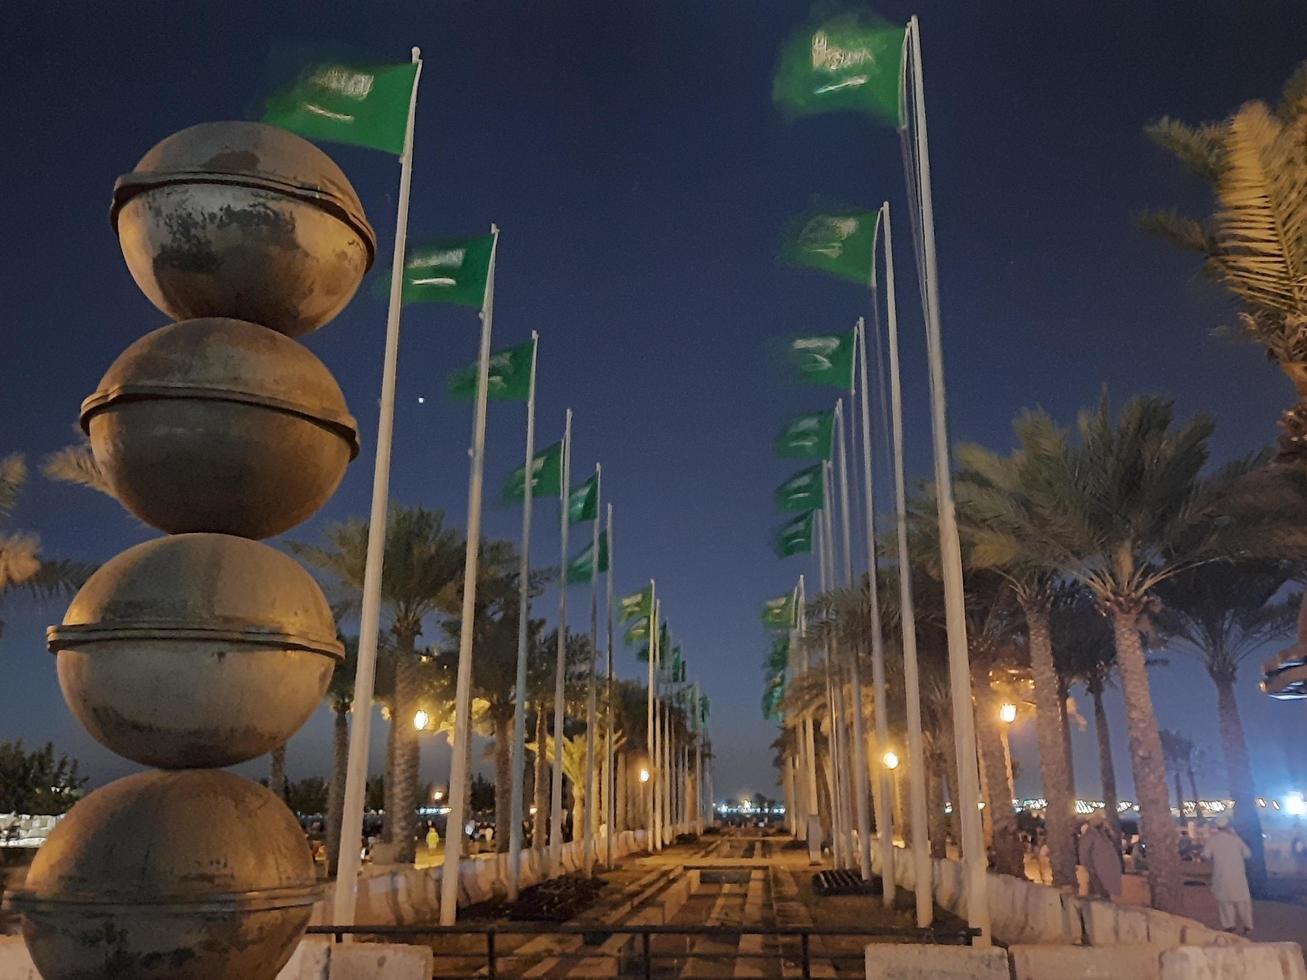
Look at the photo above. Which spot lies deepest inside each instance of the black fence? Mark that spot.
(638, 955)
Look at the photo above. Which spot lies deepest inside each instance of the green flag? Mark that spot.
(703, 708)
(637, 604)
(778, 613)
(509, 378)
(642, 654)
(638, 631)
(364, 106)
(809, 436)
(850, 63)
(795, 538)
(583, 502)
(582, 567)
(802, 491)
(546, 475)
(454, 270)
(823, 360)
(840, 244)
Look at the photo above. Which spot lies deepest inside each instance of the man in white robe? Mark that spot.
(1227, 852)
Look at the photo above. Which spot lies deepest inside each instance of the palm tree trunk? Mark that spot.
(1009, 859)
(1059, 814)
(539, 826)
(1064, 715)
(1193, 786)
(1106, 768)
(503, 780)
(1156, 827)
(404, 797)
(277, 771)
(951, 773)
(388, 782)
(935, 822)
(336, 795)
(1239, 776)
(619, 811)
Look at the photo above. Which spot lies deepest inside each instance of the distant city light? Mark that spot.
(421, 400)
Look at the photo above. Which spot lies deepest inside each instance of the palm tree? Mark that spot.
(277, 771)
(996, 497)
(422, 575)
(1220, 614)
(22, 568)
(340, 695)
(1178, 753)
(76, 464)
(1085, 654)
(1121, 511)
(1255, 242)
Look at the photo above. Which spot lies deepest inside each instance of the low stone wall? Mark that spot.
(392, 894)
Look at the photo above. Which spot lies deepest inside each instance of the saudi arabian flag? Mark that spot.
(642, 654)
(823, 360)
(583, 502)
(546, 476)
(451, 271)
(778, 613)
(338, 103)
(582, 567)
(638, 632)
(703, 709)
(809, 436)
(850, 63)
(509, 378)
(802, 491)
(841, 244)
(637, 604)
(795, 538)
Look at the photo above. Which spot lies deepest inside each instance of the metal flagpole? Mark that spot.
(860, 788)
(978, 915)
(349, 857)
(832, 739)
(523, 635)
(560, 675)
(812, 818)
(917, 799)
(651, 727)
(591, 708)
(884, 784)
(698, 763)
(463, 685)
(610, 776)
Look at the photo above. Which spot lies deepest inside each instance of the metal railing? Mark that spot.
(643, 964)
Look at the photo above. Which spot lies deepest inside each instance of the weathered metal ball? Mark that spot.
(245, 220)
(220, 425)
(196, 650)
(193, 875)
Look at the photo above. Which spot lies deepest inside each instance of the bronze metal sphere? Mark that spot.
(196, 650)
(192, 875)
(220, 425)
(245, 220)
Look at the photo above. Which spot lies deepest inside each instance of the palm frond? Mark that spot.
(13, 474)
(76, 465)
(1185, 232)
(1200, 148)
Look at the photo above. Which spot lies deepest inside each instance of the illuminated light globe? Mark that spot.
(220, 425)
(195, 875)
(245, 220)
(196, 650)
(890, 760)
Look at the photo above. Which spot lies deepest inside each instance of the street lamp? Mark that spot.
(420, 720)
(1008, 713)
(644, 775)
(890, 760)
(437, 795)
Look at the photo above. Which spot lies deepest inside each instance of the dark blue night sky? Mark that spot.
(632, 157)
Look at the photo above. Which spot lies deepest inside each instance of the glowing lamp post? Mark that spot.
(1007, 715)
(420, 720)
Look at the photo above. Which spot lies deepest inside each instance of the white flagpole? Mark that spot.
(655, 761)
(610, 773)
(560, 669)
(860, 788)
(463, 686)
(917, 799)
(978, 915)
(650, 733)
(698, 763)
(356, 774)
(884, 784)
(833, 737)
(812, 818)
(523, 634)
(591, 708)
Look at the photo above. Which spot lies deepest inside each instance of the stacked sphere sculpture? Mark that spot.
(205, 648)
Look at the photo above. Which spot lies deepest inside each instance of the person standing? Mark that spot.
(1101, 856)
(1227, 852)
